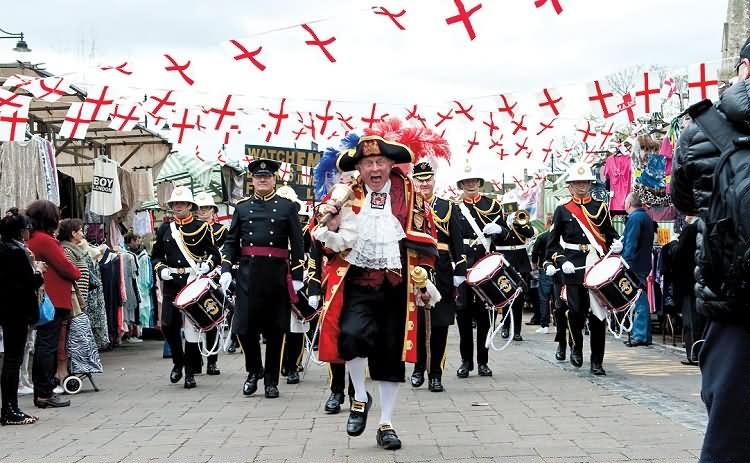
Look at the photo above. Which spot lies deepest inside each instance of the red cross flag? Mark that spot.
(497, 185)
(285, 172)
(183, 123)
(18, 81)
(10, 101)
(13, 123)
(703, 82)
(125, 116)
(668, 89)
(599, 96)
(160, 104)
(98, 102)
(550, 99)
(49, 89)
(76, 122)
(305, 175)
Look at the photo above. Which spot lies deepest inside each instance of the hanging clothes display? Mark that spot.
(127, 198)
(163, 192)
(97, 310)
(667, 150)
(109, 266)
(106, 198)
(22, 174)
(143, 186)
(67, 196)
(47, 156)
(143, 223)
(132, 298)
(618, 171)
(145, 284)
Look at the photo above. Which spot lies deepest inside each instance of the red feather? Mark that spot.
(423, 142)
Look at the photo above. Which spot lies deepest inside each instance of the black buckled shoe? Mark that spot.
(212, 369)
(560, 353)
(387, 438)
(435, 385)
(357, 421)
(272, 392)
(176, 375)
(333, 404)
(597, 369)
(505, 333)
(189, 381)
(292, 378)
(484, 370)
(52, 401)
(464, 369)
(417, 378)
(576, 358)
(251, 385)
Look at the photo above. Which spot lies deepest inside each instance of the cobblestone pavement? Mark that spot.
(534, 409)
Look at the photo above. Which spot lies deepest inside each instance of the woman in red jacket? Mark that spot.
(58, 282)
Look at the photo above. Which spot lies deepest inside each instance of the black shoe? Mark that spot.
(292, 378)
(464, 369)
(560, 353)
(251, 385)
(690, 362)
(333, 404)
(272, 392)
(505, 333)
(16, 417)
(189, 381)
(212, 369)
(176, 375)
(632, 343)
(435, 385)
(231, 349)
(576, 359)
(284, 372)
(387, 438)
(417, 378)
(52, 401)
(517, 337)
(533, 321)
(357, 421)
(484, 370)
(597, 369)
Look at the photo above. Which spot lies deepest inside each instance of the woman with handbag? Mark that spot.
(20, 278)
(58, 282)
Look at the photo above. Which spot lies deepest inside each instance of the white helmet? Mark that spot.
(205, 199)
(580, 172)
(181, 194)
(468, 173)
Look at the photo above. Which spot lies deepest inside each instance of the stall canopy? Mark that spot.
(133, 148)
(183, 169)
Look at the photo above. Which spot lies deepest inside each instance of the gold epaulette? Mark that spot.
(243, 200)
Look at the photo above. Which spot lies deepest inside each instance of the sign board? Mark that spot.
(296, 156)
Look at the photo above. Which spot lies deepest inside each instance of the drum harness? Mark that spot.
(496, 327)
(191, 330)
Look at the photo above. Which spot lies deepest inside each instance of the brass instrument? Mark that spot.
(341, 193)
(522, 218)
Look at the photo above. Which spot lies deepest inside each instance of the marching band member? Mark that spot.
(447, 278)
(176, 268)
(582, 233)
(375, 236)
(264, 228)
(207, 210)
(482, 223)
(515, 249)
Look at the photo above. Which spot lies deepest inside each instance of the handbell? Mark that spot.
(341, 193)
(419, 277)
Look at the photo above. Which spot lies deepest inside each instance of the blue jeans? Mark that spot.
(642, 322)
(545, 296)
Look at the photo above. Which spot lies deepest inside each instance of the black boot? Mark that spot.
(417, 378)
(435, 385)
(387, 438)
(333, 404)
(560, 353)
(176, 375)
(189, 381)
(484, 370)
(251, 384)
(464, 369)
(11, 416)
(597, 369)
(272, 392)
(292, 377)
(576, 358)
(357, 421)
(212, 369)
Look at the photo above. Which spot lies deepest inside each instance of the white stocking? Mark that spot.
(388, 396)
(357, 368)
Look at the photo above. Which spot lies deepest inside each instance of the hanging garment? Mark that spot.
(97, 310)
(143, 186)
(109, 265)
(51, 163)
(618, 170)
(22, 178)
(106, 198)
(130, 275)
(145, 284)
(67, 195)
(143, 223)
(163, 192)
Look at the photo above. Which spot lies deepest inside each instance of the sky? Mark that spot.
(518, 49)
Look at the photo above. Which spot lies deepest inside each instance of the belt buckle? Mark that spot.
(181, 271)
(583, 247)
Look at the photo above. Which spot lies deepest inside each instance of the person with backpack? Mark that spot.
(711, 179)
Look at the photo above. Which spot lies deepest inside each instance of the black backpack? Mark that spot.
(726, 239)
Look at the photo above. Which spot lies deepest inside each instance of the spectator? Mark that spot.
(538, 252)
(58, 282)
(20, 278)
(693, 322)
(638, 243)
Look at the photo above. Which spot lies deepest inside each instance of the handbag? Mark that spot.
(46, 309)
(77, 303)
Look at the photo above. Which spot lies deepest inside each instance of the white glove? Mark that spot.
(550, 270)
(165, 274)
(297, 285)
(457, 280)
(204, 268)
(314, 301)
(432, 291)
(492, 229)
(568, 268)
(616, 247)
(510, 219)
(225, 280)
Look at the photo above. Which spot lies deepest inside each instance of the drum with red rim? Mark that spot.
(202, 302)
(494, 280)
(613, 283)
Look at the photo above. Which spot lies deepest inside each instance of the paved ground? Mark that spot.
(534, 409)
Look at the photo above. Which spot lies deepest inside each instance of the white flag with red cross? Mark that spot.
(703, 82)
(19, 81)
(551, 102)
(125, 116)
(10, 101)
(49, 89)
(285, 172)
(13, 122)
(76, 122)
(305, 175)
(602, 98)
(98, 102)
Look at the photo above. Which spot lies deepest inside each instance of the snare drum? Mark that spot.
(613, 283)
(494, 280)
(202, 303)
(302, 309)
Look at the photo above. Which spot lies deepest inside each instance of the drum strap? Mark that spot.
(470, 218)
(181, 246)
(589, 236)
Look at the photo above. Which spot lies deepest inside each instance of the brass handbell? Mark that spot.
(341, 193)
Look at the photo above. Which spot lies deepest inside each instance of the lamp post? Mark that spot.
(21, 45)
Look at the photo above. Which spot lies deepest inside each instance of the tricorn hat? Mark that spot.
(373, 145)
(262, 167)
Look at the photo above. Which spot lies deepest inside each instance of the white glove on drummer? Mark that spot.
(616, 247)
(314, 301)
(165, 274)
(492, 229)
(458, 280)
(568, 268)
(225, 280)
(510, 219)
(550, 270)
(297, 285)
(204, 268)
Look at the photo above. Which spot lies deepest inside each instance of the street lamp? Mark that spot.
(21, 45)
